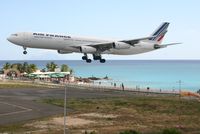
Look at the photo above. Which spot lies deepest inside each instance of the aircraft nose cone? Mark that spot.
(9, 39)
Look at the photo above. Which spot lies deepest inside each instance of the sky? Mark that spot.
(109, 19)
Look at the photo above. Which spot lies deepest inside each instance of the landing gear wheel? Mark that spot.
(102, 60)
(25, 52)
(84, 57)
(96, 56)
(88, 60)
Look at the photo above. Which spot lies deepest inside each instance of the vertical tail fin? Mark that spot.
(160, 32)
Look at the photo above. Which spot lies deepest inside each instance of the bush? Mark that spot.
(129, 132)
(171, 131)
(93, 132)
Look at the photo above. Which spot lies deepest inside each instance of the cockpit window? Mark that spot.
(14, 34)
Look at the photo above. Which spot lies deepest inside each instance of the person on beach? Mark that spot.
(115, 85)
(122, 86)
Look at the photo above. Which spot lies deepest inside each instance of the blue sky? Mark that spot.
(120, 19)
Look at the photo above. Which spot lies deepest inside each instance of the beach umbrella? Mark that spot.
(44, 76)
(60, 75)
(57, 75)
(53, 75)
(31, 75)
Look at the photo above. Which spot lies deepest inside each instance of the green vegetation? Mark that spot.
(30, 68)
(14, 128)
(165, 131)
(171, 131)
(158, 105)
(129, 132)
(149, 115)
(6, 66)
(51, 66)
(25, 67)
(65, 68)
(5, 85)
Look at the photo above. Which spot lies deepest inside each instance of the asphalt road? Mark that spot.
(18, 105)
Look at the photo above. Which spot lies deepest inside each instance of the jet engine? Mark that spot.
(64, 52)
(87, 49)
(121, 45)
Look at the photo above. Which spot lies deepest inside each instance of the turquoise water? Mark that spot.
(143, 73)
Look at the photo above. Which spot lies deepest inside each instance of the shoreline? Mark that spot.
(91, 87)
(88, 86)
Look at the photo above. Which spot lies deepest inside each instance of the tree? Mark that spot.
(25, 67)
(65, 68)
(6, 66)
(20, 67)
(51, 66)
(31, 68)
(14, 66)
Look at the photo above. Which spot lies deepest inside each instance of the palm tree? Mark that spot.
(32, 68)
(25, 67)
(65, 68)
(6, 66)
(20, 67)
(51, 66)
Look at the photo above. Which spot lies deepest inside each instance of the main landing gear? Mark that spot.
(24, 52)
(85, 57)
(95, 57)
(98, 57)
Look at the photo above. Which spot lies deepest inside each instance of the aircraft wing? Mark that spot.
(103, 46)
(135, 41)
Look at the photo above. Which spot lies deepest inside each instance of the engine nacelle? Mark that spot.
(64, 52)
(156, 46)
(87, 49)
(121, 45)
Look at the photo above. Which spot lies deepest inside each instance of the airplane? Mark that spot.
(65, 44)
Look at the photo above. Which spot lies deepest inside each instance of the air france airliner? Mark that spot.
(65, 44)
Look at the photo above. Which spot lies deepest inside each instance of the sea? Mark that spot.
(155, 74)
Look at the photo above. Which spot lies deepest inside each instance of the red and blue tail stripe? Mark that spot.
(160, 32)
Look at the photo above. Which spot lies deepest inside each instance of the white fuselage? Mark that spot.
(70, 44)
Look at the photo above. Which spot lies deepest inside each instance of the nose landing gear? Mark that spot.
(24, 52)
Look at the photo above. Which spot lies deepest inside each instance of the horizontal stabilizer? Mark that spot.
(170, 44)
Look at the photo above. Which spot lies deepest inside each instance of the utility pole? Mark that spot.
(65, 101)
(180, 83)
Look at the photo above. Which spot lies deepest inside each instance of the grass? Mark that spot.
(14, 128)
(22, 127)
(10, 85)
(148, 115)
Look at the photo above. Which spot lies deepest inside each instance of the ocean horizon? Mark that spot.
(156, 74)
